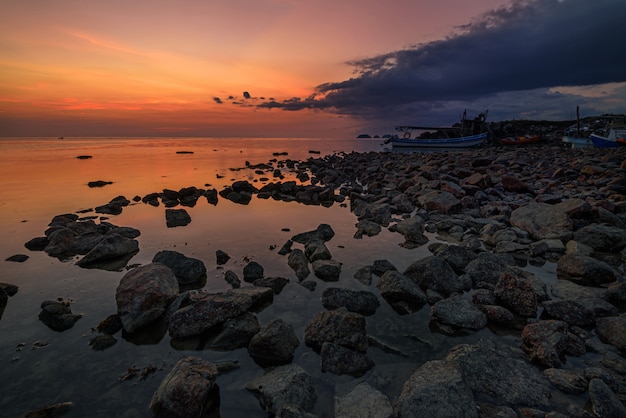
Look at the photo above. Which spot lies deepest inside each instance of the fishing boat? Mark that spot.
(464, 135)
(572, 141)
(520, 140)
(615, 136)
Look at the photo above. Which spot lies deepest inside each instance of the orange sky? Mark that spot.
(91, 68)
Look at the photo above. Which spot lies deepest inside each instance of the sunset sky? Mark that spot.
(326, 68)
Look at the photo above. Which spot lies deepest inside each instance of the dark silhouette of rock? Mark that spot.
(187, 270)
(58, 315)
(176, 217)
(274, 344)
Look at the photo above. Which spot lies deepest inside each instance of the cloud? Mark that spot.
(521, 47)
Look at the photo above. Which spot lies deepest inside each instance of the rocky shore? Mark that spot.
(493, 211)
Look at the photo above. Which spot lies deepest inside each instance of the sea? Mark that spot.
(42, 178)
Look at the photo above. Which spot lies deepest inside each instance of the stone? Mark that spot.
(517, 295)
(568, 381)
(456, 256)
(275, 283)
(176, 217)
(57, 315)
(327, 270)
(436, 389)
(51, 411)
(458, 311)
(585, 270)
(571, 311)
(221, 257)
(363, 401)
(604, 402)
(315, 249)
(339, 360)
(436, 274)
(144, 294)
(236, 332)
(274, 344)
(439, 201)
(359, 301)
(412, 229)
(111, 247)
(18, 258)
(185, 391)
(548, 341)
(298, 261)
(542, 221)
(340, 327)
(232, 279)
(367, 228)
(252, 271)
(401, 293)
(602, 237)
(612, 330)
(187, 270)
(282, 386)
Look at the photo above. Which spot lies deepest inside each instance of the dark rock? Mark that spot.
(185, 391)
(440, 201)
(456, 256)
(275, 283)
(111, 247)
(232, 279)
(282, 386)
(363, 401)
(274, 344)
(585, 270)
(315, 249)
(542, 221)
(99, 183)
(612, 330)
(187, 270)
(252, 271)
(367, 228)
(602, 237)
(436, 389)
(84, 157)
(517, 295)
(401, 293)
(327, 270)
(102, 342)
(211, 196)
(51, 411)
(380, 267)
(340, 360)
(364, 275)
(18, 258)
(339, 327)
(359, 301)
(286, 248)
(436, 274)
(110, 325)
(548, 341)
(176, 217)
(9, 289)
(412, 229)
(485, 271)
(144, 294)
(571, 311)
(298, 261)
(222, 257)
(37, 244)
(57, 315)
(497, 314)
(323, 231)
(568, 381)
(458, 311)
(604, 402)
(236, 332)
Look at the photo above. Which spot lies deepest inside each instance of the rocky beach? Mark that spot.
(508, 261)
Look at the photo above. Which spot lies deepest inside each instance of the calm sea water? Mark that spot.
(42, 178)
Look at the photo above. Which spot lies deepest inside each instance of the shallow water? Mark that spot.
(42, 178)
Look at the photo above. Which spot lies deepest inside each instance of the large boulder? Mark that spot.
(340, 360)
(187, 270)
(144, 294)
(401, 293)
(516, 294)
(613, 330)
(460, 312)
(111, 247)
(542, 221)
(339, 327)
(298, 261)
(274, 344)
(187, 390)
(327, 270)
(359, 301)
(585, 270)
(436, 274)
(602, 237)
(548, 341)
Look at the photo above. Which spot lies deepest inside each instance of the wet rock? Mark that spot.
(367, 228)
(542, 221)
(364, 275)
(37, 244)
(604, 402)
(401, 293)
(274, 344)
(380, 267)
(571, 311)
(548, 341)
(359, 301)
(612, 330)
(236, 332)
(252, 271)
(458, 311)
(436, 274)
(339, 327)
(565, 289)
(340, 360)
(51, 411)
(412, 229)
(144, 294)
(585, 270)
(323, 231)
(602, 237)
(497, 314)
(18, 258)
(363, 401)
(501, 374)
(283, 386)
(110, 248)
(57, 315)
(456, 256)
(102, 342)
(176, 217)
(327, 270)
(110, 325)
(485, 271)
(299, 263)
(232, 279)
(315, 249)
(275, 283)
(568, 381)
(98, 183)
(616, 292)
(187, 270)
(436, 389)
(517, 295)
(222, 257)
(439, 201)
(185, 391)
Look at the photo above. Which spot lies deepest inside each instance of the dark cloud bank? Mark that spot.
(511, 54)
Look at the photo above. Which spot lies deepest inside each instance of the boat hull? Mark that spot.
(461, 142)
(520, 140)
(602, 142)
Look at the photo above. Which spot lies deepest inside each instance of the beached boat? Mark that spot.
(614, 137)
(520, 140)
(464, 135)
(570, 141)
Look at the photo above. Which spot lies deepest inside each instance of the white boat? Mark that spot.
(614, 136)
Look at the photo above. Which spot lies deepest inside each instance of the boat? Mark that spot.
(464, 135)
(571, 141)
(520, 140)
(615, 136)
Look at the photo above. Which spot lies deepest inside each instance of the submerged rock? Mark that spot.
(274, 344)
(58, 315)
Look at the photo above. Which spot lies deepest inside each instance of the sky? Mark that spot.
(291, 68)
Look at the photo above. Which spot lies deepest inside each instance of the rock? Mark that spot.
(616, 292)
(604, 402)
(363, 401)
(542, 221)
(37, 244)
(274, 344)
(364, 275)
(253, 298)
(299, 263)
(436, 389)
(99, 183)
(458, 311)
(565, 289)
(252, 271)
(401, 293)
(110, 325)
(327, 270)
(485, 271)
(51, 411)
(102, 342)
(500, 374)
(612, 330)
(456, 256)
(497, 314)
(275, 283)
(380, 267)
(571, 311)
(176, 217)
(222, 257)
(110, 248)
(144, 294)
(359, 301)
(585, 270)
(187, 270)
(236, 332)
(57, 315)
(367, 228)
(315, 249)
(340, 360)
(513, 184)
(602, 237)
(9, 289)
(282, 386)
(339, 327)
(18, 258)
(568, 381)
(412, 229)
(548, 341)
(232, 279)
(517, 295)
(186, 390)
(436, 274)
(439, 201)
